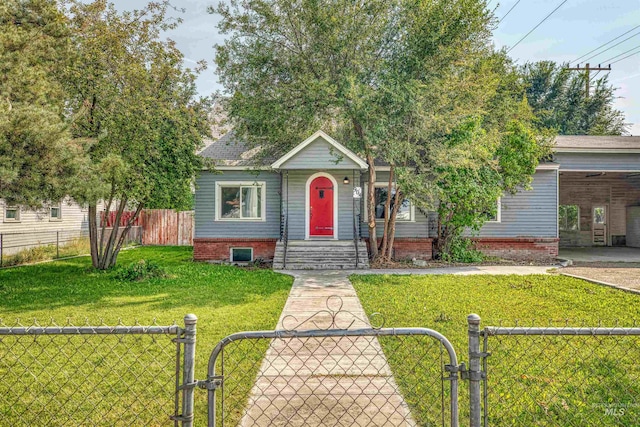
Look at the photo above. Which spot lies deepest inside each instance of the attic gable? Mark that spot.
(320, 151)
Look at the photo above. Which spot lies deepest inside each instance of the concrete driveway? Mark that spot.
(601, 254)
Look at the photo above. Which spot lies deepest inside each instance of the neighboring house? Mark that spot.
(302, 210)
(24, 228)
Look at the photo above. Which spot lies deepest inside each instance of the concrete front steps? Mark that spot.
(321, 255)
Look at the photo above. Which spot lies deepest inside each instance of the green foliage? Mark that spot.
(559, 99)
(140, 270)
(468, 191)
(131, 98)
(532, 381)
(461, 250)
(226, 299)
(416, 84)
(37, 156)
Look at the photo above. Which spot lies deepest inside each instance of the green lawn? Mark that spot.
(127, 375)
(546, 381)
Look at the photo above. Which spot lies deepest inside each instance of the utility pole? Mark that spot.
(587, 69)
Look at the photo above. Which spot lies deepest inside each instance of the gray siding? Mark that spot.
(295, 191)
(205, 224)
(36, 228)
(319, 155)
(598, 161)
(417, 228)
(531, 213)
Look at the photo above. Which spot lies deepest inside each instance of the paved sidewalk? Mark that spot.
(334, 381)
(325, 381)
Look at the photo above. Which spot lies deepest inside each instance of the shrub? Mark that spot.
(462, 250)
(140, 270)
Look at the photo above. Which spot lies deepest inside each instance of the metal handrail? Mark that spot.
(356, 238)
(285, 239)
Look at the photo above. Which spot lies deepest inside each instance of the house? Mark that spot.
(23, 228)
(306, 208)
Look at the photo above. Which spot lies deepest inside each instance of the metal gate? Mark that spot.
(333, 377)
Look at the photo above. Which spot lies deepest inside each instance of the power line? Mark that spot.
(620, 54)
(602, 45)
(534, 28)
(507, 14)
(635, 53)
(611, 47)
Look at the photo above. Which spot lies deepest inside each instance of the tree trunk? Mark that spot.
(387, 208)
(124, 234)
(93, 234)
(392, 224)
(371, 207)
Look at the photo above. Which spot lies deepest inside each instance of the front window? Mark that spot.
(241, 201)
(382, 194)
(569, 217)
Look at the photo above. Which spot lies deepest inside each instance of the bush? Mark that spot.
(140, 270)
(462, 250)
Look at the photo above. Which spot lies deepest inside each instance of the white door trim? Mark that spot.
(308, 201)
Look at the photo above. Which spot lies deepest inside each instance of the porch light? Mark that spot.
(345, 180)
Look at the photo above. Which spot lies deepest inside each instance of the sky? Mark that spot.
(576, 28)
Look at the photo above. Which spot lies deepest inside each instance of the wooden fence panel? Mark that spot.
(167, 227)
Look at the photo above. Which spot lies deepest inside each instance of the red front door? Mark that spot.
(321, 207)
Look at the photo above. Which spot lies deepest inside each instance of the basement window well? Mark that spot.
(241, 254)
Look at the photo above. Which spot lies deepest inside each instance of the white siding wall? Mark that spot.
(36, 227)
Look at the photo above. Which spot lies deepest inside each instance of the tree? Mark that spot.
(130, 97)
(37, 155)
(393, 79)
(558, 98)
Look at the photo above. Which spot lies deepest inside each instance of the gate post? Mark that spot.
(475, 373)
(188, 373)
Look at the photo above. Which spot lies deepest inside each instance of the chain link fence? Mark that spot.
(89, 375)
(561, 375)
(18, 248)
(333, 378)
(53, 375)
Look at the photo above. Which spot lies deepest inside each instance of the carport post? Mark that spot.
(475, 373)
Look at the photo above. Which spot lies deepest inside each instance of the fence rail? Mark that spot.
(144, 375)
(18, 248)
(94, 375)
(587, 376)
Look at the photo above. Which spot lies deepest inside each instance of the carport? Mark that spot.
(599, 194)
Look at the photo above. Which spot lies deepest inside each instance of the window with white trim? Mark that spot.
(55, 213)
(569, 217)
(497, 215)
(381, 193)
(237, 201)
(241, 255)
(11, 214)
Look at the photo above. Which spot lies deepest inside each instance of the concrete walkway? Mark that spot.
(342, 381)
(334, 381)
(601, 254)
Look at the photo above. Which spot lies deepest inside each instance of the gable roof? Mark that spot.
(230, 152)
(332, 142)
(597, 144)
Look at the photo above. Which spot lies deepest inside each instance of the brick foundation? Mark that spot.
(217, 249)
(518, 248)
(409, 248)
